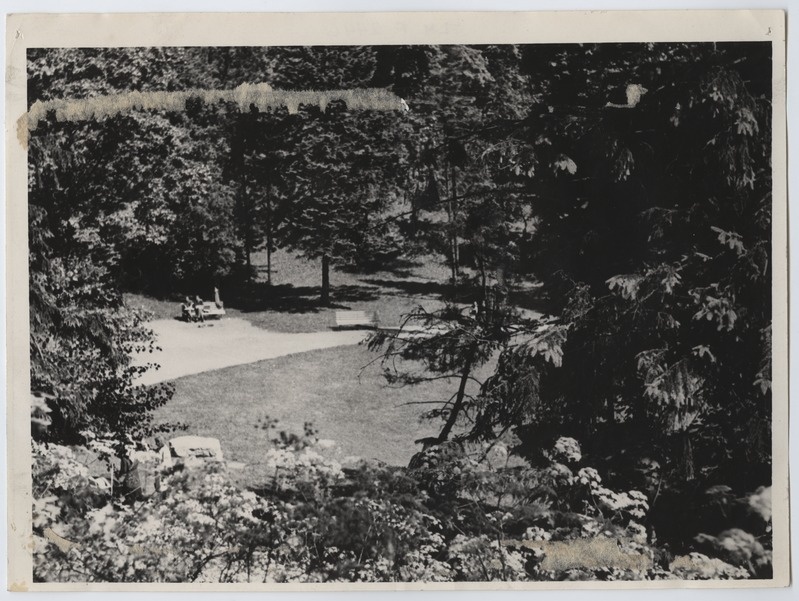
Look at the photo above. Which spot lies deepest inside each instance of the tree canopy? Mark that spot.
(628, 184)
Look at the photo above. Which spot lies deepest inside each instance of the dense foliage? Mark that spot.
(631, 183)
(81, 335)
(654, 253)
(463, 513)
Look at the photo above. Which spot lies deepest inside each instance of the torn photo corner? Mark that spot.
(397, 301)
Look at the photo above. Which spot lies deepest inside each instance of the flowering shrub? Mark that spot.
(462, 513)
(566, 450)
(292, 469)
(696, 566)
(738, 548)
(201, 528)
(482, 559)
(760, 503)
(624, 506)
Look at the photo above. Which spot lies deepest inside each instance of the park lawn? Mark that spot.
(390, 307)
(289, 268)
(158, 308)
(291, 304)
(353, 407)
(294, 303)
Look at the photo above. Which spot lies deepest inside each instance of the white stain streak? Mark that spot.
(262, 95)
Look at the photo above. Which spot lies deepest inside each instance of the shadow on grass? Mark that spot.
(400, 267)
(286, 298)
(414, 287)
(353, 293)
(533, 299)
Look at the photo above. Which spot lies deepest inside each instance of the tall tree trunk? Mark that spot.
(453, 211)
(459, 399)
(483, 274)
(452, 265)
(268, 237)
(325, 280)
(244, 213)
(689, 472)
(247, 229)
(414, 216)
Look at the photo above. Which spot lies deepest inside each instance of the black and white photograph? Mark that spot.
(341, 313)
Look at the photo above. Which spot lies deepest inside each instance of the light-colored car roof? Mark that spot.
(187, 446)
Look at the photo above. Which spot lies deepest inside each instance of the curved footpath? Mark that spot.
(188, 349)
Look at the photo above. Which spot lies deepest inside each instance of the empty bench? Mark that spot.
(355, 319)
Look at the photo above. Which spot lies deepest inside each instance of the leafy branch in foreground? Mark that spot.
(452, 342)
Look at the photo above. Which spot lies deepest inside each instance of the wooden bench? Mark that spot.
(210, 309)
(355, 319)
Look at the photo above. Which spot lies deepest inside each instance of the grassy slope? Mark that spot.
(361, 414)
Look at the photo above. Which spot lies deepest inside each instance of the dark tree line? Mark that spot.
(637, 187)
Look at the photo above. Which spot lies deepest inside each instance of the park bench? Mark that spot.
(355, 319)
(210, 309)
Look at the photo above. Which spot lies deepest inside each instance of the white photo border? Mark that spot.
(247, 29)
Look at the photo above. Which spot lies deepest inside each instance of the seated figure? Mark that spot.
(186, 309)
(198, 309)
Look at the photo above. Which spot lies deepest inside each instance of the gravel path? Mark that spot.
(191, 349)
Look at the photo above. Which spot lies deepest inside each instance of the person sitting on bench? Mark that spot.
(186, 309)
(198, 309)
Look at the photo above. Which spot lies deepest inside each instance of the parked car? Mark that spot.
(190, 450)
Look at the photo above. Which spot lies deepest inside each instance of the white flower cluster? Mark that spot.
(697, 566)
(537, 533)
(566, 450)
(560, 475)
(483, 559)
(633, 504)
(306, 464)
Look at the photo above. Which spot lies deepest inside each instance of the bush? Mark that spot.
(466, 512)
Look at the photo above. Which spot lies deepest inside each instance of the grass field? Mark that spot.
(354, 408)
(288, 268)
(291, 303)
(328, 388)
